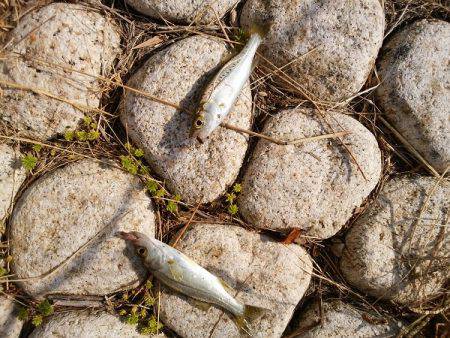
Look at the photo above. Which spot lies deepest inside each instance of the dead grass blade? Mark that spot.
(285, 142)
(76, 252)
(408, 145)
(152, 42)
(183, 230)
(425, 205)
(290, 81)
(65, 150)
(173, 105)
(43, 92)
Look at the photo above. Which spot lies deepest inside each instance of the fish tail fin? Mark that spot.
(259, 29)
(257, 33)
(251, 314)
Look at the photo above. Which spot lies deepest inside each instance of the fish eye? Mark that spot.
(199, 122)
(141, 251)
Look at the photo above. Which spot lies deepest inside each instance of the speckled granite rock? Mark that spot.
(85, 324)
(415, 88)
(62, 211)
(10, 325)
(346, 33)
(314, 186)
(178, 74)
(341, 320)
(64, 34)
(264, 273)
(389, 255)
(12, 174)
(199, 11)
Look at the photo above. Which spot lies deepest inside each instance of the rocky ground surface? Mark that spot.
(84, 324)
(10, 324)
(88, 48)
(281, 181)
(386, 243)
(12, 175)
(323, 198)
(338, 319)
(414, 92)
(199, 11)
(334, 43)
(64, 209)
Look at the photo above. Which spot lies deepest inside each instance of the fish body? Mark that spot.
(179, 272)
(185, 276)
(223, 91)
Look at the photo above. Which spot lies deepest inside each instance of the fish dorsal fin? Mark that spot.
(255, 62)
(218, 78)
(175, 270)
(229, 66)
(227, 288)
(201, 305)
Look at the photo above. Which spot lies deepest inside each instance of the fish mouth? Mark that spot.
(196, 135)
(128, 236)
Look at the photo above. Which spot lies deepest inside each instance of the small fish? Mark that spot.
(180, 273)
(223, 91)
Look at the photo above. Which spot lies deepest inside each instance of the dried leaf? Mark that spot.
(292, 236)
(153, 41)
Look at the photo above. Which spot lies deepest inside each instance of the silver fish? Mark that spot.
(179, 272)
(223, 91)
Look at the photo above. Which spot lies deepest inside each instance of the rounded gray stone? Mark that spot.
(62, 211)
(178, 74)
(314, 186)
(199, 11)
(390, 254)
(85, 324)
(415, 88)
(12, 175)
(10, 325)
(70, 35)
(347, 34)
(338, 319)
(264, 273)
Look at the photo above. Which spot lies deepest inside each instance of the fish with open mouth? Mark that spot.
(179, 272)
(222, 92)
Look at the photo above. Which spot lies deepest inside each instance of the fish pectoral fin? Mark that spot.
(227, 288)
(201, 305)
(175, 270)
